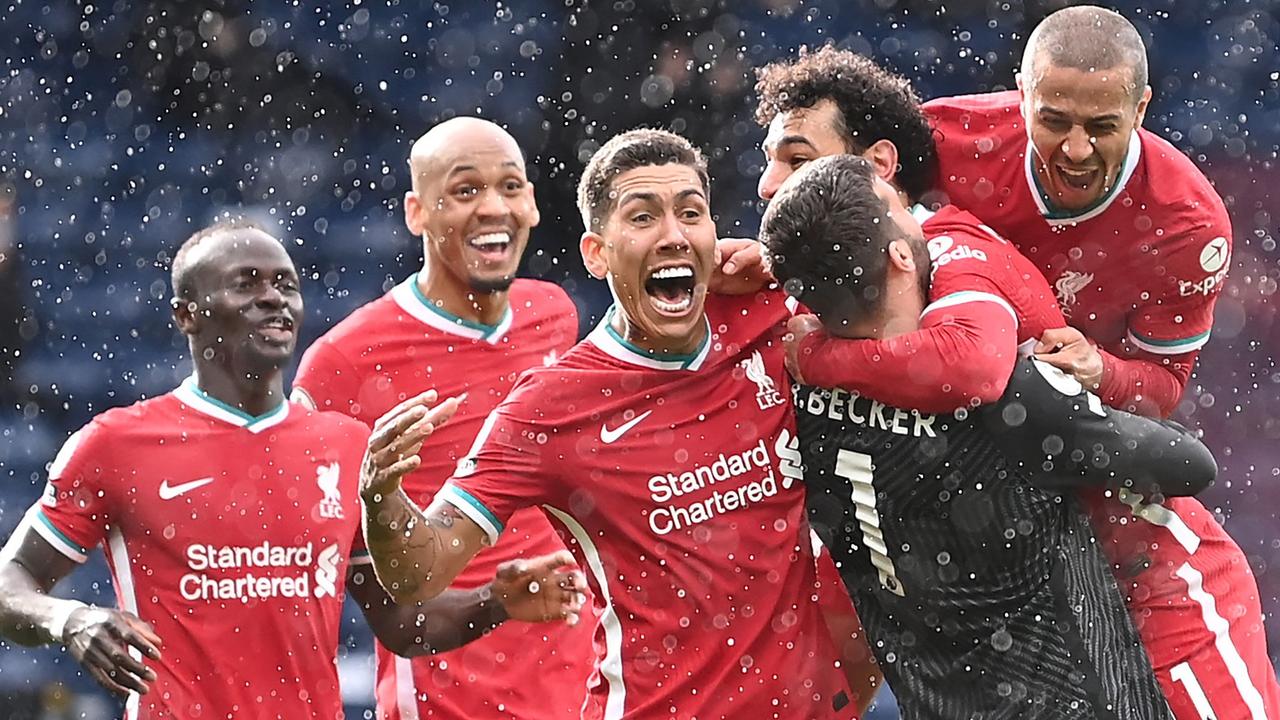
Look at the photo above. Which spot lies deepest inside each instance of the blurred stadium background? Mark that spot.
(124, 126)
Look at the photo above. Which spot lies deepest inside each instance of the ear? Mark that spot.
(413, 213)
(593, 257)
(536, 216)
(1142, 106)
(883, 155)
(185, 315)
(901, 259)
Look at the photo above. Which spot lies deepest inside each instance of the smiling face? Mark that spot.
(657, 250)
(795, 138)
(1080, 123)
(243, 303)
(472, 204)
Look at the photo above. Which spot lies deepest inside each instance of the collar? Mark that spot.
(1067, 217)
(617, 347)
(190, 394)
(411, 300)
(922, 213)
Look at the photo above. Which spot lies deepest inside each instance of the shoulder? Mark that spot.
(355, 328)
(328, 424)
(541, 301)
(990, 114)
(1183, 189)
(116, 426)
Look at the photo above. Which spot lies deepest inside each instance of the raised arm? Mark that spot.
(98, 638)
(416, 554)
(1064, 437)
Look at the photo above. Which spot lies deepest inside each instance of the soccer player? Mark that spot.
(463, 324)
(1197, 611)
(664, 444)
(983, 594)
(228, 516)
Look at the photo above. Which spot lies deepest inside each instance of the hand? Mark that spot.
(1067, 349)
(542, 589)
(742, 267)
(99, 639)
(798, 327)
(397, 437)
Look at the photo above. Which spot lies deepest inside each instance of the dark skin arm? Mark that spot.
(521, 590)
(98, 638)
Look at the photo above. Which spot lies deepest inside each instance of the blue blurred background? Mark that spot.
(125, 126)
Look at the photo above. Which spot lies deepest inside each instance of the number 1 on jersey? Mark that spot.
(856, 467)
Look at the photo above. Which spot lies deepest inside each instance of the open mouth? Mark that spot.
(670, 289)
(1076, 178)
(491, 246)
(277, 329)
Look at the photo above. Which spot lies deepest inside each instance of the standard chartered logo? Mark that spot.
(237, 572)
(737, 481)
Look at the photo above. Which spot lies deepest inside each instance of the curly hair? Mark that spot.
(873, 103)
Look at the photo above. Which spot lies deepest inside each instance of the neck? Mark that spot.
(688, 345)
(457, 298)
(256, 393)
(899, 315)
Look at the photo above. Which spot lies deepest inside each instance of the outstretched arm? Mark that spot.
(98, 638)
(1064, 437)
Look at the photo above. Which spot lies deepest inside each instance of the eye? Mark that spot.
(641, 218)
(1102, 129)
(1055, 124)
(691, 213)
(513, 185)
(466, 191)
(798, 161)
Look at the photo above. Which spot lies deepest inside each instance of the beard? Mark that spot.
(485, 286)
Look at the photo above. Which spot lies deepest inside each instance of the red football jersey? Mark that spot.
(230, 534)
(1138, 273)
(394, 348)
(678, 479)
(1145, 264)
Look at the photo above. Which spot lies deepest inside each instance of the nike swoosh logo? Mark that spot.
(608, 436)
(169, 492)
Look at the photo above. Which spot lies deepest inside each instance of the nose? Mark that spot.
(271, 296)
(673, 237)
(1077, 145)
(492, 203)
(775, 173)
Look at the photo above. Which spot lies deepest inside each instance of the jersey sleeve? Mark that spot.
(326, 380)
(960, 356)
(511, 465)
(73, 515)
(1179, 320)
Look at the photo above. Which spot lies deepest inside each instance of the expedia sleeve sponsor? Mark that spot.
(739, 480)
(235, 572)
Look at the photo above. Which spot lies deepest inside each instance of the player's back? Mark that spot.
(982, 595)
(231, 535)
(678, 479)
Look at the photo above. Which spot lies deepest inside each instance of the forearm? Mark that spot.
(1063, 438)
(415, 557)
(450, 621)
(29, 616)
(935, 369)
(1147, 386)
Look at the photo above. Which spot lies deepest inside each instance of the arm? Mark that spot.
(98, 638)
(1142, 382)
(961, 356)
(541, 589)
(1064, 438)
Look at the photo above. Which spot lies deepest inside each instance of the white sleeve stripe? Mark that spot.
(45, 529)
(967, 296)
(471, 507)
(1175, 347)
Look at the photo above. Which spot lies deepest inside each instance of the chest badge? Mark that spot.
(767, 394)
(1068, 284)
(327, 477)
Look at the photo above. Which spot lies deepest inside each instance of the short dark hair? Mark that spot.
(873, 103)
(827, 236)
(183, 270)
(632, 149)
(1088, 38)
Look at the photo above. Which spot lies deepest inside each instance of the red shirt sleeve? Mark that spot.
(1148, 385)
(961, 356)
(74, 514)
(510, 466)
